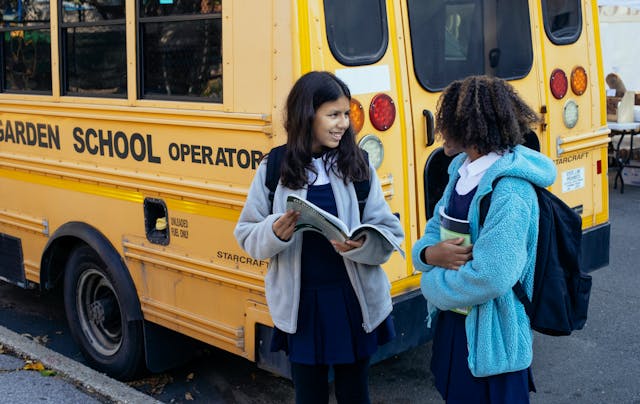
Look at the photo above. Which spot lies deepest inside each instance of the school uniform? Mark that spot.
(453, 379)
(499, 338)
(329, 325)
(363, 265)
(328, 308)
(329, 318)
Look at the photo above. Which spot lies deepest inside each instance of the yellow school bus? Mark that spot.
(131, 130)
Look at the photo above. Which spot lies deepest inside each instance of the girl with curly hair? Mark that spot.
(482, 346)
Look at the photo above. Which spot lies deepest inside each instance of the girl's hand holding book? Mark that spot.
(448, 254)
(348, 245)
(284, 227)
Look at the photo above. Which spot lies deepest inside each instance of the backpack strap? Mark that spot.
(274, 162)
(486, 202)
(362, 189)
(518, 289)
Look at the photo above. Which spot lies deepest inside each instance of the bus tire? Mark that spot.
(109, 339)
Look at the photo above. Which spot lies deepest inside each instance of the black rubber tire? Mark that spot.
(104, 331)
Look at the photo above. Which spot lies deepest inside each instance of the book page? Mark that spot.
(372, 231)
(315, 219)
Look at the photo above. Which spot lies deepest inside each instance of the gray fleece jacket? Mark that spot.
(282, 283)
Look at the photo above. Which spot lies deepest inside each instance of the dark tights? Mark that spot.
(351, 382)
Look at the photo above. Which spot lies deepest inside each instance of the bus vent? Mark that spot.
(156, 221)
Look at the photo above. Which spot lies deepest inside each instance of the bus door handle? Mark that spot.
(429, 127)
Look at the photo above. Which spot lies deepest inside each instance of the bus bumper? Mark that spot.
(595, 247)
(410, 321)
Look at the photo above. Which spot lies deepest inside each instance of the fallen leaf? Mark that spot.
(190, 376)
(188, 396)
(155, 384)
(30, 365)
(48, 372)
(41, 339)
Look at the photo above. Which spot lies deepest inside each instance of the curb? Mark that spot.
(90, 379)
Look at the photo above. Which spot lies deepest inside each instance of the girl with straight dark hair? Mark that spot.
(330, 301)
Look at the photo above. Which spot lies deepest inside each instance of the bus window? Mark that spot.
(454, 39)
(181, 49)
(26, 46)
(562, 20)
(94, 48)
(356, 30)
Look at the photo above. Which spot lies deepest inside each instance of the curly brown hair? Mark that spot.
(483, 112)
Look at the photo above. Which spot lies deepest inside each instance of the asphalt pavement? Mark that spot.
(30, 372)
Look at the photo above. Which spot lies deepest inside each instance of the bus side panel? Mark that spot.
(97, 174)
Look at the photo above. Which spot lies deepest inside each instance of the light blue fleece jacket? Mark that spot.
(499, 336)
(282, 283)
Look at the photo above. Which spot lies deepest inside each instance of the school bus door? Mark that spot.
(446, 41)
(578, 147)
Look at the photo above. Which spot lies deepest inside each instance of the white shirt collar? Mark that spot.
(322, 177)
(472, 171)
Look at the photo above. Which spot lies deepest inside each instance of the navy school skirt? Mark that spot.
(330, 329)
(454, 380)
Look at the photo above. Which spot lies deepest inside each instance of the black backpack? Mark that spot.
(560, 289)
(274, 162)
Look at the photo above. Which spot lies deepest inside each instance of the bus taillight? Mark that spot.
(558, 83)
(356, 113)
(382, 112)
(578, 80)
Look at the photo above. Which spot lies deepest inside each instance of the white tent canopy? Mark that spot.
(625, 3)
(619, 22)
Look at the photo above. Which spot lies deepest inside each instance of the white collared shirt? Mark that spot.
(472, 171)
(322, 176)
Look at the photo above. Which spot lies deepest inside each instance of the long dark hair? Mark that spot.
(307, 95)
(485, 112)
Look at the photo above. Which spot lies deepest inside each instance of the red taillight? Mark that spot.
(599, 167)
(356, 113)
(382, 112)
(559, 83)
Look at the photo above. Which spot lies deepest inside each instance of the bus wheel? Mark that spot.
(99, 324)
